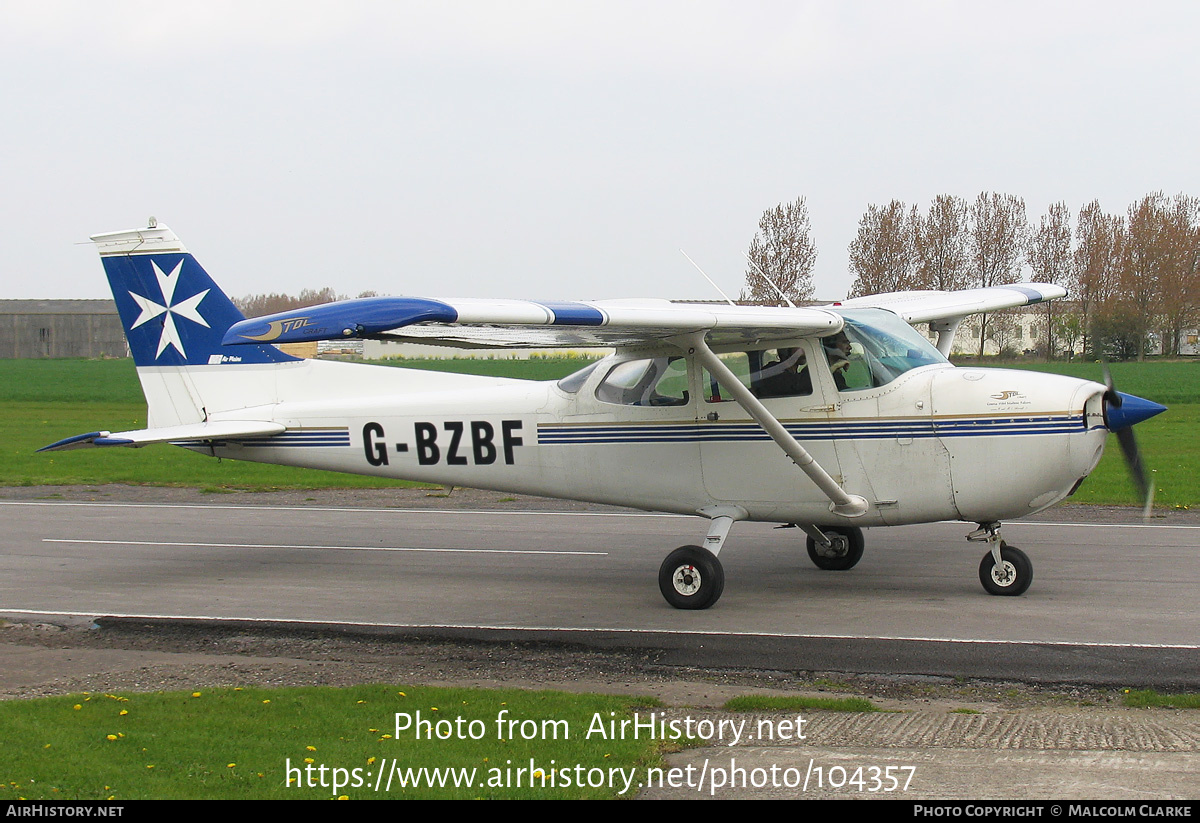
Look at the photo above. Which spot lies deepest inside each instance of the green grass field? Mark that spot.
(251, 744)
(42, 401)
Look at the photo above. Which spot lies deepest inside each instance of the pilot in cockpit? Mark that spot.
(837, 349)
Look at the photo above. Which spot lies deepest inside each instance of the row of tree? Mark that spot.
(1130, 276)
(256, 305)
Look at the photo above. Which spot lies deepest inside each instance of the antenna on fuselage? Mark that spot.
(709, 279)
(767, 277)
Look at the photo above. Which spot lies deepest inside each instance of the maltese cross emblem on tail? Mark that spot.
(188, 308)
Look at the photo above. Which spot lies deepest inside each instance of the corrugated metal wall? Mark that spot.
(60, 328)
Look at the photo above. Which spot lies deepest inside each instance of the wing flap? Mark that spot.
(192, 432)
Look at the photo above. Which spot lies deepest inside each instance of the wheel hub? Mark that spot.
(1004, 574)
(838, 546)
(686, 580)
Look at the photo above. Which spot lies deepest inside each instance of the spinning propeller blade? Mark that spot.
(1122, 412)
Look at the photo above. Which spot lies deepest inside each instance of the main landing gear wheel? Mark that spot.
(691, 578)
(1012, 577)
(845, 553)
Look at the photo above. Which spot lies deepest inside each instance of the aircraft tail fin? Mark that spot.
(174, 317)
(172, 311)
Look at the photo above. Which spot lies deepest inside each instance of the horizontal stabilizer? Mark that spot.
(193, 432)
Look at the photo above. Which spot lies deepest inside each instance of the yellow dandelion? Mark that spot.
(123, 712)
(111, 737)
(149, 765)
(402, 694)
(308, 760)
(77, 706)
(370, 761)
(310, 748)
(343, 797)
(230, 765)
(266, 701)
(195, 694)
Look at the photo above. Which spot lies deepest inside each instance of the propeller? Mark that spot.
(1121, 412)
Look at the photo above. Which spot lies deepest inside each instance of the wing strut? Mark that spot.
(847, 505)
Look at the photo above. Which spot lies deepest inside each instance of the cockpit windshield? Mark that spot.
(874, 348)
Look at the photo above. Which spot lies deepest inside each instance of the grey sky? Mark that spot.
(559, 150)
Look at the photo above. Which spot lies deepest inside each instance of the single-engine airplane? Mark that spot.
(828, 418)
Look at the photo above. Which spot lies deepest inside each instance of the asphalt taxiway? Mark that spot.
(1112, 603)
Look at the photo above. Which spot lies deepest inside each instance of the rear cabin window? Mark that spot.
(653, 381)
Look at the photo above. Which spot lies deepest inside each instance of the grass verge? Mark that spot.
(1148, 698)
(260, 744)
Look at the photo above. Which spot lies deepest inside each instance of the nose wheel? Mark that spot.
(1011, 576)
(691, 578)
(1005, 570)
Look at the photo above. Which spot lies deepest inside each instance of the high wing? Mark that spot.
(482, 323)
(190, 433)
(471, 322)
(930, 306)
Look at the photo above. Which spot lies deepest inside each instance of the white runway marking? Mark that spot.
(328, 548)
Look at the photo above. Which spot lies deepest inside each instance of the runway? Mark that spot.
(1110, 602)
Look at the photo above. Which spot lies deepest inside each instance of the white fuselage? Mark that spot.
(936, 443)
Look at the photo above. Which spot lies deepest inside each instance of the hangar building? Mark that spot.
(60, 328)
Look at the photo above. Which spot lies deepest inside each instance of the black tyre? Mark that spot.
(847, 549)
(1012, 577)
(691, 578)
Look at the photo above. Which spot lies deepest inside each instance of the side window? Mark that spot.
(781, 372)
(656, 381)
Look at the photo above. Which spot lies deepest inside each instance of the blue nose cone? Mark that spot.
(1133, 410)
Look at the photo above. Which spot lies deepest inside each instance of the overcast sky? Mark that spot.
(564, 149)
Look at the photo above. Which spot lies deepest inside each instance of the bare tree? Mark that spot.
(783, 249)
(1003, 330)
(256, 305)
(997, 243)
(1180, 278)
(883, 255)
(1050, 258)
(1099, 259)
(1144, 275)
(941, 245)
